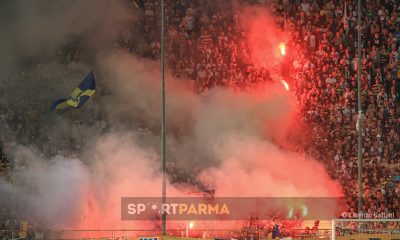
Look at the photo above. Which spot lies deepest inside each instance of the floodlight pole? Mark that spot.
(359, 119)
(164, 188)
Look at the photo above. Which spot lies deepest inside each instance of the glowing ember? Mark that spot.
(282, 47)
(285, 84)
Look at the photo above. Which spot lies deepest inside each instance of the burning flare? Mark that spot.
(282, 47)
(285, 84)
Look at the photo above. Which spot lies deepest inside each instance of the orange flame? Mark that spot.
(191, 225)
(285, 84)
(282, 47)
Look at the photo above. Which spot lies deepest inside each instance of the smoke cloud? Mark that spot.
(232, 142)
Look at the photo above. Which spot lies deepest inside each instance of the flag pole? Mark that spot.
(359, 119)
(164, 190)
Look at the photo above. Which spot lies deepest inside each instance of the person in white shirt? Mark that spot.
(305, 6)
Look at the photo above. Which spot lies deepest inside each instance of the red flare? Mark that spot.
(285, 84)
(282, 47)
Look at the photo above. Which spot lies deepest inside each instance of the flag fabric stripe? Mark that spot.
(79, 95)
(62, 105)
(59, 104)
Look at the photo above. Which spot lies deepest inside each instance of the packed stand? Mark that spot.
(326, 83)
(205, 44)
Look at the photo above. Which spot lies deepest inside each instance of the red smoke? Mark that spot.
(244, 132)
(266, 40)
(243, 135)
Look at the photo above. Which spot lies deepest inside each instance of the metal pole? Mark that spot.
(164, 190)
(360, 190)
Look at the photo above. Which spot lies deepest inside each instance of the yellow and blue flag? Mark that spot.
(79, 96)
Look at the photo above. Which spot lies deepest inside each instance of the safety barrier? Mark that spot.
(370, 237)
(128, 234)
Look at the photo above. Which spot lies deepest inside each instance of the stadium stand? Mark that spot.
(206, 46)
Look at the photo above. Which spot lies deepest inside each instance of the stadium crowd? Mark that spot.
(207, 45)
(326, 79)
